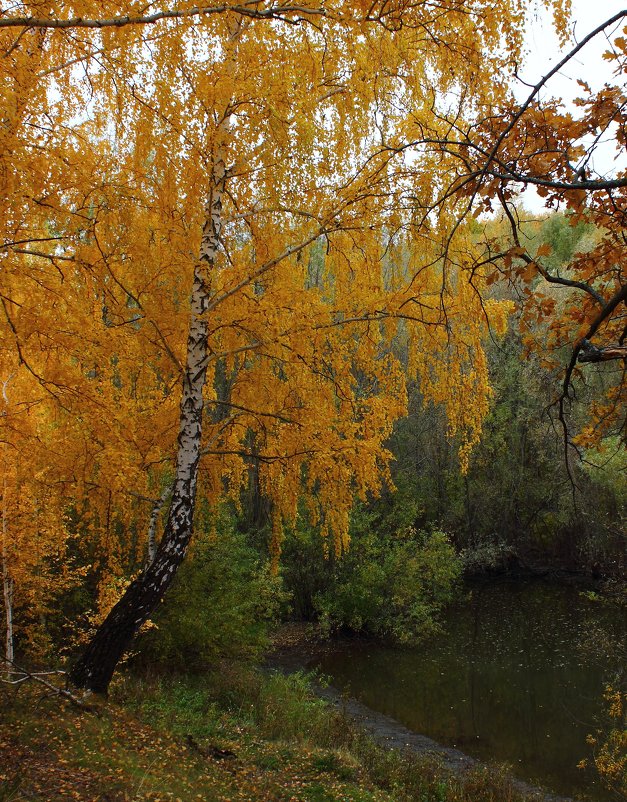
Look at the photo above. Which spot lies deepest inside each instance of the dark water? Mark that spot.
(517, 678)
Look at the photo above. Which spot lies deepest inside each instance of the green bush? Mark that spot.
(220, 604)
(391, 587)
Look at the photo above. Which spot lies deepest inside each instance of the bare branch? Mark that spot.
(618, 298)
(592, 353)
(252, 10)
(565, 282)
(51, 256)
(543, 81)
(23, 675)
(589, 185)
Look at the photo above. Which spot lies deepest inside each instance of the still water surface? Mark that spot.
(517, 677)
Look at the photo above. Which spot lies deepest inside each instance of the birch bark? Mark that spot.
(7, 583)
(153, 523)
(7, 579)
(94, 669)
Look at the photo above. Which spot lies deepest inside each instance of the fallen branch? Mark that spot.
(16, 675)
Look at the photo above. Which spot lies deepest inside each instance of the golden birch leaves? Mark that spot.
(338, 275)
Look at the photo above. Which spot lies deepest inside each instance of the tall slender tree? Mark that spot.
(218, 154)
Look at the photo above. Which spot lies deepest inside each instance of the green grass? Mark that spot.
(156, 740)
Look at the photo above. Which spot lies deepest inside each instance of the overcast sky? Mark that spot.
(545, 52)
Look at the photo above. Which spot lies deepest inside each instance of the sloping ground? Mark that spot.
(293, 653)
(51, 752)
(234, 735)
(392, 734)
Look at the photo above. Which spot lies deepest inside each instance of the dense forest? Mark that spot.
(282, 342)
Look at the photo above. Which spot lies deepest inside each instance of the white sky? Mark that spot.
(545, 53)
(588, 64)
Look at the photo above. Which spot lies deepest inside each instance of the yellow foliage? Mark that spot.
(107, 143)
(610, 757)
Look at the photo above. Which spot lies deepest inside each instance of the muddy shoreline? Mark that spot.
(293, 653)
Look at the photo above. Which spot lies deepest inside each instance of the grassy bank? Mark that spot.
(233, 735)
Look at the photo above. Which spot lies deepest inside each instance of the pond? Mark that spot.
(516, 677)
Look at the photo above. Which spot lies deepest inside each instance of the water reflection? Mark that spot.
(508, 681)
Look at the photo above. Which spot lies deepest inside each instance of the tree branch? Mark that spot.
(592, 353)
(277, 12)
(618, 298)
(544, 80)
(23, 675)
(565, 282)
(590, 185)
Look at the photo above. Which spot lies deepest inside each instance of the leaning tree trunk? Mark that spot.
(7, 583)
(94, 669)
(7, 580)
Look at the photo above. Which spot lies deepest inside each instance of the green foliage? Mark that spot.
(515, 505)
(284, 709)
(606, 466)
(391, 587)
(564, 238)
(220, 604)
(179, 704)
(280, 707)
(393, 581)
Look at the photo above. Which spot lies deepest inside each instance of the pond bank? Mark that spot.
(294, 651)
(517, 677)
(232, 734)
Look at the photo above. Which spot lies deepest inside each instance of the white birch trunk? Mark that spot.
(93, 671)
(7, 583)
(153, 523)
(7, 579)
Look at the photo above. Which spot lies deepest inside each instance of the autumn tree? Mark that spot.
(33, 535)
(542, 144)
(212, 154)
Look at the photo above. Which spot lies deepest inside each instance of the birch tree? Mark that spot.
(213, 154)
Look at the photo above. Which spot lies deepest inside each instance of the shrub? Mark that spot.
(394, 587)
(223, 598)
